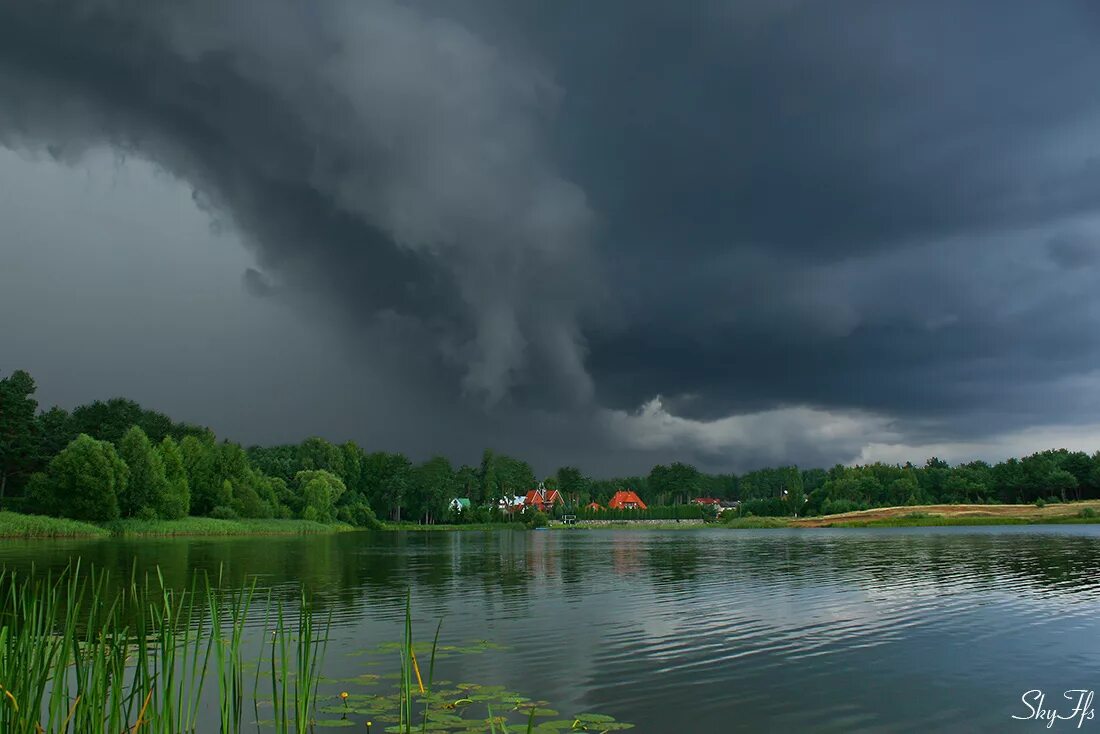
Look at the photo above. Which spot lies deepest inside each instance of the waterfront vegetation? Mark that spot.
(16, 525)
(83, 653)
(121, 468)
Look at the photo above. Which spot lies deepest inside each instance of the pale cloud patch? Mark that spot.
(776, 435)
(994, 449)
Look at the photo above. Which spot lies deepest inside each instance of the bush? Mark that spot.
(82, 482)
(537, 519)
(1040, 503)
(221, 512)
(1088, 512)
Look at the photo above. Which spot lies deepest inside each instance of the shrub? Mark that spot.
(1040, 503)
(1088, 512)
(82, 482)
(537, 519)
(221, 512)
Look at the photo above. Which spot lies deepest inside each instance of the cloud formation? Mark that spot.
(818, 233)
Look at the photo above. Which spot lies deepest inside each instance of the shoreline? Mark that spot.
(16, 526)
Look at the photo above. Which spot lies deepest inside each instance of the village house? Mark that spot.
(543, 499)
(460, 504)
(707, 502)
(511, 504)
(626, 499)
(594, 506)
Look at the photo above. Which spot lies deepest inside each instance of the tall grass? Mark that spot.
(80, 654)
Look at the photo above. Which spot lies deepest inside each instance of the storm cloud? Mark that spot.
(731, 233)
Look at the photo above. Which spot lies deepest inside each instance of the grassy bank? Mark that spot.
(14, 525)
(1068, 513)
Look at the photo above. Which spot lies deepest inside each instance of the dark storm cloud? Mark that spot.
(377, 152)
(854, 209)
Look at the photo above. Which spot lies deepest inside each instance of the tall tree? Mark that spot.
(147, 484)
(199, 459)
(19, 445)
(490, 487)
(175, 502)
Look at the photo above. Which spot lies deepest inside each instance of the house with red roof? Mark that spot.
(595, 506)
(707, 502)
(543, 499)
(626, 499)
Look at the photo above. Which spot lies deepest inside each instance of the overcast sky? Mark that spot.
(607, 234)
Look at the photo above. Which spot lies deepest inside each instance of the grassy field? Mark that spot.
(934, 515)
(14, 525)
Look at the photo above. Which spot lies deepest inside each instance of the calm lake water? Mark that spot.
(829, 630)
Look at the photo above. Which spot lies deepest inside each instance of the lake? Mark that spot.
(826, 630)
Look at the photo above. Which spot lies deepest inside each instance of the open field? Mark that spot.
(957, 515)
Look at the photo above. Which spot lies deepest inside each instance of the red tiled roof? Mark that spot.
(707, 501)
(593, 506)
(626, 499)
(541, 501)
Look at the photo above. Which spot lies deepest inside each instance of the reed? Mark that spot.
(81, 654)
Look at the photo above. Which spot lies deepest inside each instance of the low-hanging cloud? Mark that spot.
(393, 158)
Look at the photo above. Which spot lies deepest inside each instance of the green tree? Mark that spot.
(175, 502)
(490, 487)
(199, 454)
(317, 453)
(55, 427)
(19, 443)
(147, 484)
(320, 491)
(433, 487)
(1061, 483)
(82, 482)
(572, 483)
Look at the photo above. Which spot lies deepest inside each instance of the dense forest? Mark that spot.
(115, 459)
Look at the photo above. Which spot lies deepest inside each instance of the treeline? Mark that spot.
(113, 458)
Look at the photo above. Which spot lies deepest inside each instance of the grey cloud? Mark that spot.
(1074, 251)
(387, 155)
(757, 208)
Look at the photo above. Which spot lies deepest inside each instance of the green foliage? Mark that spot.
(202, 478)
(537, 519)
(224, 512)
(19, 437)
(14, 525)
(199, 475)
(82, 482)
(147, 485)
(320, 489)
(175, 502)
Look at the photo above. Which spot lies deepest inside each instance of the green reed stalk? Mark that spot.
(80, 656)
(227, 649)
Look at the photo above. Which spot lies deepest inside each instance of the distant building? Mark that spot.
(511, 504)
(626, 499)
(707, 502)
(543, 499)
(460, 504)
(595, 506)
